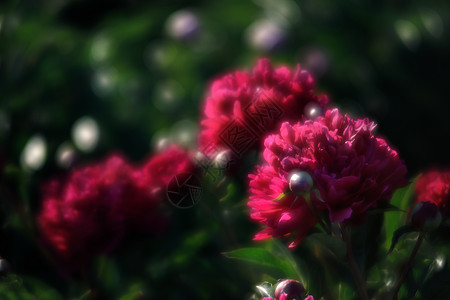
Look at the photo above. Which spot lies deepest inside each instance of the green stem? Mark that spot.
(316, 215)
(356, 273)
(407, 267)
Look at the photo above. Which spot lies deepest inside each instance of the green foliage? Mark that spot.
(267, 258)
(14, 287)
(398, 234)
(402, 199)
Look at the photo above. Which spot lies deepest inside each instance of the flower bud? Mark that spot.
(290, 289)
(300, 182)
(426, 216)
(312, 110)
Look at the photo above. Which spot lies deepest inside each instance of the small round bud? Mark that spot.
(312, 110)
(291, 289)
(300, 182)
(426, 216)
(4, 267)
(222, 159)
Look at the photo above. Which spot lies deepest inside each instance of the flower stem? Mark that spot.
(356, 273)
(316, 215)
(407, 267)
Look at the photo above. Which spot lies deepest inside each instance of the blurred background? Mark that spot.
(80, 79)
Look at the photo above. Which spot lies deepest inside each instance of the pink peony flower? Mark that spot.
(151, 182)
(351, 170)
(434, 186)
(90, 212)
(243, 107)
(80, 217)
(170, 162)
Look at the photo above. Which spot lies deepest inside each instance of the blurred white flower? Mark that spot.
(183, 25)
(34, 153)
(265, 35)
(85, 133)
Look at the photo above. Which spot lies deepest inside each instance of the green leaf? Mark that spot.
(14, 287)
(40, 289)
(132, 296)
(333, 246)
(263, 257)
(401, 199)
(266, 289)
(231, 192)
(345, 291)
(384, 207)
(321, 260)
(190, 247)
(398, 234)
(108, 273)
(281, 251)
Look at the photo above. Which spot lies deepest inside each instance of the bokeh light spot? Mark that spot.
(65, 155)
(433, 23)
(100, 49)
(265, 35)
(34, 153)
(103, 81)
(408, 34)
(167, 96)
(85, 134)
(184, 132)
(183, 25)
(160, 140)
(312, 110)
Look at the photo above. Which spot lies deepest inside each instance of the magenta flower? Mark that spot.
(242, 108)
(434, 186)
(89, 212)
(150, 184)
(165, 165)
(351, 170)
(80, 217)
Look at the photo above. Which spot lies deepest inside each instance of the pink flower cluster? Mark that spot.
(242, 108)
(92, 210)
(434, 187)
(351, 169)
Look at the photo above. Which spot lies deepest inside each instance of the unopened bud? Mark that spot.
(426, 216)
(300, 183)
(290, 289)
(313, 110)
